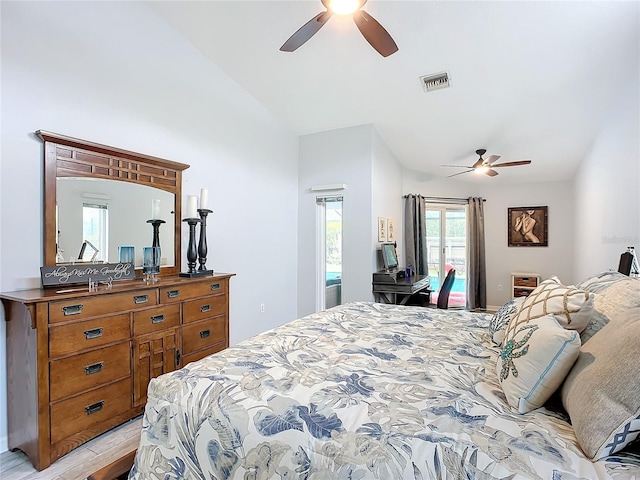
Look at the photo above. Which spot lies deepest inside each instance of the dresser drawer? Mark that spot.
(81, 412)
(187, 291)
(80, 336)
(193, 357)
(525, 281)
(203, 334)
(207, 307)
(156, 319)
(86, 307)
(76, 374)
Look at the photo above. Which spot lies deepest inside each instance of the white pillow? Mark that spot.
(535, 359)
(501, 319)
(619, 297)
(571, 307)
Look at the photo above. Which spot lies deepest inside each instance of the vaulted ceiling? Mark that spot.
(529, 80)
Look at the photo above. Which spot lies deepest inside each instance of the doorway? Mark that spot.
(329, 252)
(447, 249)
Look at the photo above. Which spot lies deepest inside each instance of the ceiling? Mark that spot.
(529, 80)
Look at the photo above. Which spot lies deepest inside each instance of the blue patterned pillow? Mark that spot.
(600, 282)
(501, 319)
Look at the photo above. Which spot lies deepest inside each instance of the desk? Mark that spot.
(400, 291)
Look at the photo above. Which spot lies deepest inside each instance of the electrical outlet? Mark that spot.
(499, 288)
(262, 308)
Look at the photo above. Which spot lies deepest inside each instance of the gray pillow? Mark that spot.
(602, 391)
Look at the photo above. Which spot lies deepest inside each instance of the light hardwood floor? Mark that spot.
(79, 463)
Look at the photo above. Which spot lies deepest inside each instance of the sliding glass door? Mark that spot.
(447, 249)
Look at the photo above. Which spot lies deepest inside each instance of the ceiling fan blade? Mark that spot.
(491, 173)
(459, 173)
(492, 159)
(374, 33)
(456, 166)
(512, 164)
(305, 32)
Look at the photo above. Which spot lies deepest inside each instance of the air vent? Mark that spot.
(435, 82)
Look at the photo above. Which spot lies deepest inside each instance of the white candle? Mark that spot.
(192, 206)
(204, 198)
(155, 209)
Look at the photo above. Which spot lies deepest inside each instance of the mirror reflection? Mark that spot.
(98, 219)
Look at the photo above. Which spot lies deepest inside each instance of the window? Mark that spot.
(447, 249)
(95, 230)
(329, 252)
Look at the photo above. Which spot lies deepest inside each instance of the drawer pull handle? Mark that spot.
(157, 319)
(205, 308)
(140, 299)
(95, 408)
(215, 286)
(95, 368)
(94, 333)
(205, 333)
(72, 309)
(173, 293)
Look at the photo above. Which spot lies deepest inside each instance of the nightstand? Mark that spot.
(522, 284)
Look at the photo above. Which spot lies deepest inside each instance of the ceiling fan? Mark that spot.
(486, 166)
(372, 31)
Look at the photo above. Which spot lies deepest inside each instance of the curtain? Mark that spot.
(476, 276)
(415, 234)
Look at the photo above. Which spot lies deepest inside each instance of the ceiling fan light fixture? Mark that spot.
(481, 169)
(344, 7)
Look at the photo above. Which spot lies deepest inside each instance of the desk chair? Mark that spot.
(445, 290)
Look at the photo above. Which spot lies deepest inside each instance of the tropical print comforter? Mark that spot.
(361, 391)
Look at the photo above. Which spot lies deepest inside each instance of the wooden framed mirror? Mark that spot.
(108, 194)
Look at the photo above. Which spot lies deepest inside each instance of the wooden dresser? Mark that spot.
(78, 362)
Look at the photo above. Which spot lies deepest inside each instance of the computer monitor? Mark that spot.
(389, 255)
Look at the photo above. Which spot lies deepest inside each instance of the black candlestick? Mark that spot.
(192, 253)
(202, 244)
(156, 231)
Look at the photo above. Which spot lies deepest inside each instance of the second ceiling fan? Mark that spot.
(372, 31)
(487, 166)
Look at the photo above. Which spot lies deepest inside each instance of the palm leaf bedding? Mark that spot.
(361, 391)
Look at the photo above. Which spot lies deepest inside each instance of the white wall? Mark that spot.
(357, 157)
(83, 69)
(336, 156)
(556, 259)
(386, 201)
(607, 193)
(501, 260)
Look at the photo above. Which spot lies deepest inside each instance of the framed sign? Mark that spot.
(527, 227)
(83, 273)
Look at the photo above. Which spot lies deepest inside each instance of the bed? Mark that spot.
(362, 390)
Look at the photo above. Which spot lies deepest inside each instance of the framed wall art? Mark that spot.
(391, 237)
(382, 229)
(527, 227)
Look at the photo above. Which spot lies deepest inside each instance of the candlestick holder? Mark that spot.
(155, 223)
(192, 253)
(202, 244)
